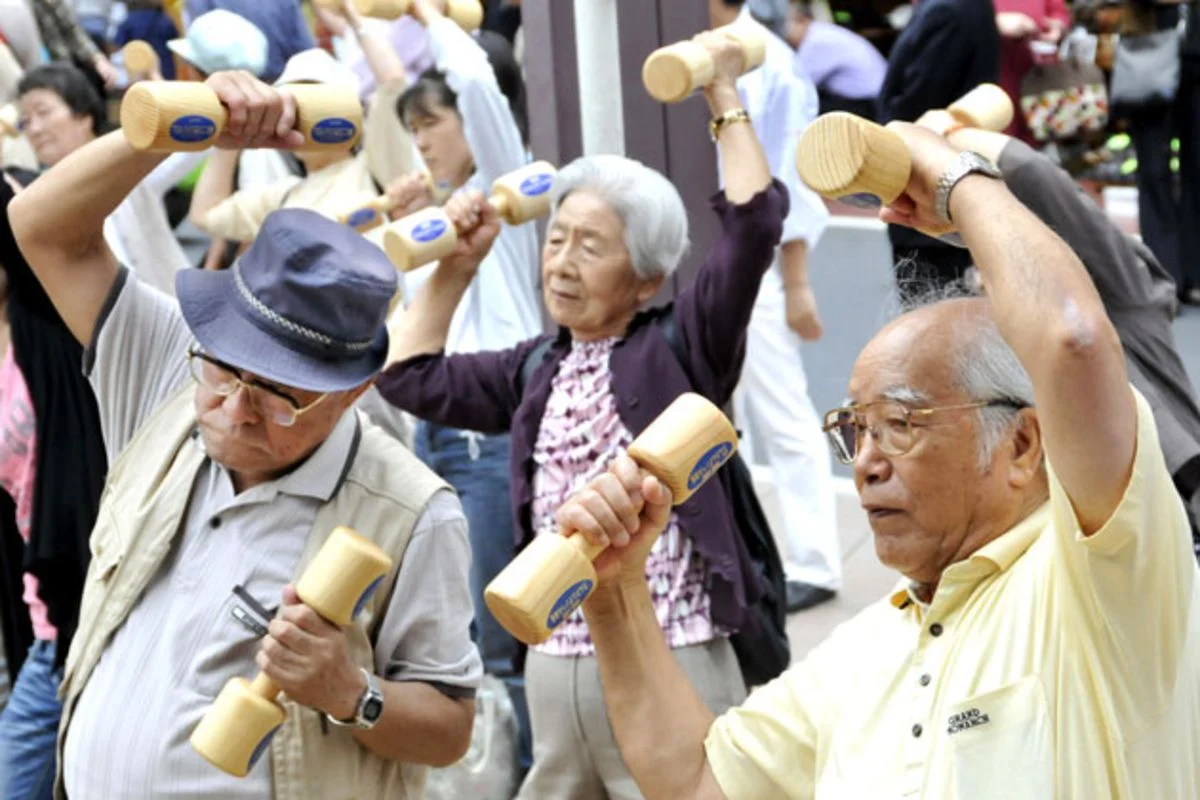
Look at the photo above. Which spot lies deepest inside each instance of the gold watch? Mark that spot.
(728, 118)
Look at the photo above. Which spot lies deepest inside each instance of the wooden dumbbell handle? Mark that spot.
(139, 57)
(264, 687)
(670, 74)
(171, 116)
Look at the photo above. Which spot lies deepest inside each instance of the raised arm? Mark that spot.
(70, 258)
(1113, 259)
(488, 123)
(1050, 314)
(714, 312)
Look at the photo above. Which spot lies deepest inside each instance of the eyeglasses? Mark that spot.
(225, 380)
(891, 424)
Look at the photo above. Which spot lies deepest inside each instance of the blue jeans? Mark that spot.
(29, 728)
(477, 467)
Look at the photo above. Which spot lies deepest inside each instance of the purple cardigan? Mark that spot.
(481, 391)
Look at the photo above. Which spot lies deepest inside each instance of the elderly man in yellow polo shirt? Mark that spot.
(1044, 643)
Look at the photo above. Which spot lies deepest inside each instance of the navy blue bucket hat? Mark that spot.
(305, 306)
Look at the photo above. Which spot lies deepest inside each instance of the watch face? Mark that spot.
(372, 709)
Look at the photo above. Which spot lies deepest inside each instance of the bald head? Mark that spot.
(972, 462)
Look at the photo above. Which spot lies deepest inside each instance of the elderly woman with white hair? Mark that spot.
(576, 399)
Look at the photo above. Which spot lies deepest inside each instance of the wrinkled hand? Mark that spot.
(727, 55)
(408, 194)
(802, 314)
(931, 156)
(259, 115)
(1015, 25)
(624, 510)
(309, 657)
(108, 73)
(477, 224)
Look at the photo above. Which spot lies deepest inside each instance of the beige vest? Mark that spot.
(141, 516)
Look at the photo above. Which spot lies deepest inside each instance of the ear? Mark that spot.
(649, 288)
(1026, 457)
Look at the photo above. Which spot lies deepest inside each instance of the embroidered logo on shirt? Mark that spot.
(965, 720)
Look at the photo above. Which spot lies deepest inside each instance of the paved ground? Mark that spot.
(852, 279)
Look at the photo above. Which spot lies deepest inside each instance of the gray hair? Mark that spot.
(986, 368)
(650, 208)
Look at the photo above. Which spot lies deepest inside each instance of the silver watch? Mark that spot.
(370, 707)
(969, 162)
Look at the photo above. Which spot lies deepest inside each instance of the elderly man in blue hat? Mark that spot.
(235, 449)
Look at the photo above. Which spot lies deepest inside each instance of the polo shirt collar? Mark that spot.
(997, 555)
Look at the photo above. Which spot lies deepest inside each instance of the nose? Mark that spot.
(870, 465)
(240, 407)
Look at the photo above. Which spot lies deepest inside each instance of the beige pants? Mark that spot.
(575, 756)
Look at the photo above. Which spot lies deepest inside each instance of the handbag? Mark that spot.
(488, 770)
(1064, 99)
(1146, 69)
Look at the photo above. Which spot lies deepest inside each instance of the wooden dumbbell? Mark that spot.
(237, 729)
(847, 158)
(174, 116)
(140, 59)
(467, 13)
(10, 118)
(683, 447)
(429, 235)
(672, 73)
(373, 213)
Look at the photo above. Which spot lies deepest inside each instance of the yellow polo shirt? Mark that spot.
(1048, 666)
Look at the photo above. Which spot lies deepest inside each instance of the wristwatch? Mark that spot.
(370, 707)
(969, 162)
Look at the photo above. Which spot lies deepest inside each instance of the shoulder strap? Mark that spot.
(671, 333)
(532, 361)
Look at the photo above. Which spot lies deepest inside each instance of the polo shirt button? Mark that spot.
(925, 679)
(633, 401)
(936, 629)
(215, 522)
(917, 730)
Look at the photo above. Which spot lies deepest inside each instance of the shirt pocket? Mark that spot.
(1002, 744)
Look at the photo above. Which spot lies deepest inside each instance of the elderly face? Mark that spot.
(53, 129)
(934, 505)
(242, 430)
(588, 281)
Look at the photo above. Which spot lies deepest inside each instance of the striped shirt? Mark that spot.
(580, 435)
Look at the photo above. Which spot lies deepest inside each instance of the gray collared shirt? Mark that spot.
(201, 619)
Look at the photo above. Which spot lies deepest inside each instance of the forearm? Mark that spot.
(64, 210)
(420, 725)
(381, 57)
(425, 324)
(215, 185)
(659, 721)
(744, 167)
(793, 260)
(1040, 292)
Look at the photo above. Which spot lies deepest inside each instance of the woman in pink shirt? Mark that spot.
(1022, 23)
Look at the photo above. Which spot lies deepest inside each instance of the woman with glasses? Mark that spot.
(573, 400)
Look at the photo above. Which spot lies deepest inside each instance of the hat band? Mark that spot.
(283, 322)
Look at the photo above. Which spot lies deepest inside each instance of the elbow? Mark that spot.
(28, 230)
(1084, 337)
(457, 736)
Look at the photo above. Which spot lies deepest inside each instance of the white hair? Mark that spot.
(986, 369)
(649, 206)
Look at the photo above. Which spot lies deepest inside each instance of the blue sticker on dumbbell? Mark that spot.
(192, 128)
(361, 217)
(428, 230)
(568, 602)
(537, 184)
(709, 463)
(333, 130)
(262, 748)
(366, 595)
(861, 200)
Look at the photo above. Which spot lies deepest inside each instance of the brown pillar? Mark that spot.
(672, 139)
